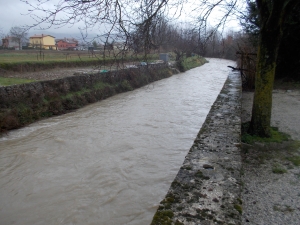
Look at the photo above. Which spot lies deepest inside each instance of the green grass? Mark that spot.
(6, 81)
(59, 56)
(96, 86)
(77, 93)
(295, 160)
(276, 136)
(278, 169)
(24, 56)
(53, 56)
(24, 61)
(101, 85)
(190, 62)
(238, 208)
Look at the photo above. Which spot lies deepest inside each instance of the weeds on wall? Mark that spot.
(188, 63)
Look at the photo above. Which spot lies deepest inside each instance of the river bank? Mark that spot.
(23, 104)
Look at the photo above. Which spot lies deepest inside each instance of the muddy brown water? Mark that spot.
(111, 162)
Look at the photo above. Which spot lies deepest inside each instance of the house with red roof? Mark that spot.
(66, 44)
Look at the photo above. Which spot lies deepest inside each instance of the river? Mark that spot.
(109, 163)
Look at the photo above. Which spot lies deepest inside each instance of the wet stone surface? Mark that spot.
(207, 188)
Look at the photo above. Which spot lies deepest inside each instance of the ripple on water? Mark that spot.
(111, 162)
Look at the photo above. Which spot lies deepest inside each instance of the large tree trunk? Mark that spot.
(265, 73)
(270, 35)
(272, 18)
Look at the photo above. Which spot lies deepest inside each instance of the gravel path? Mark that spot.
(271, 191)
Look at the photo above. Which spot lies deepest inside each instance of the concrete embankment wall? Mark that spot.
(207, 187)
(26, 103)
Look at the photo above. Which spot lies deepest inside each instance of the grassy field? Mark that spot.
(59, 56)
(5, 81)
(30, 60)
(46, 55)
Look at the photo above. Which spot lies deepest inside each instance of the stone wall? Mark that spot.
(207, 187)
(26, 103)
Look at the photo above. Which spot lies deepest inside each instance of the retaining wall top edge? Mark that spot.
(207, 187)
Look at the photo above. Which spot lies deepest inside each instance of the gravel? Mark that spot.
(271, 183)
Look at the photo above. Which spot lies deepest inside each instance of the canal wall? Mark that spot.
(207, 188)
(23, 104)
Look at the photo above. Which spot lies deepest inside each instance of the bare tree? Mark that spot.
(214, 45)
(1, 36)
(123, 15)
(19, 35)
(1, 33)
(110, 17)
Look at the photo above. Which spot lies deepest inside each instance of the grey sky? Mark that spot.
(11, 15)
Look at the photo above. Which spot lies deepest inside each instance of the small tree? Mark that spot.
(19, 35)
(108, 46)
(95, 45)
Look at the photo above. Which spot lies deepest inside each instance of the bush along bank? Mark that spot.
(188, 63)
(23, 104)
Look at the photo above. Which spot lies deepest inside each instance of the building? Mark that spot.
(42, 41)
(9, 42)
(5, 42)
(120, 46)
(67, 44)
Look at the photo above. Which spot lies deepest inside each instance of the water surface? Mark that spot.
(111, 162)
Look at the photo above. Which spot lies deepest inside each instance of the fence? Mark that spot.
(247, 66)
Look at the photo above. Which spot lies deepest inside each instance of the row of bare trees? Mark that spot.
(185, 39)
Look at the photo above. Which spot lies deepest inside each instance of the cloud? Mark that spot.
(13, 13)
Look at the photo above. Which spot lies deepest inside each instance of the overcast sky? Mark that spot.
(11, 15)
